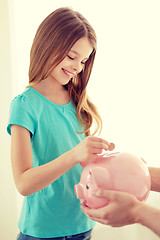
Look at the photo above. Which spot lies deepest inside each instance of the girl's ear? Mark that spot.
(101, 176)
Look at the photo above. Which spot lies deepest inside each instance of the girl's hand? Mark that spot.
(89, 149)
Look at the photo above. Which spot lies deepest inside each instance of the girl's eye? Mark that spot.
(70, 57)
(73, 59)
(87, 187)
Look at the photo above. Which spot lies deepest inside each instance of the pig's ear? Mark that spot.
(100, 175)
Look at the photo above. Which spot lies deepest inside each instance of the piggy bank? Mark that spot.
(117, 171)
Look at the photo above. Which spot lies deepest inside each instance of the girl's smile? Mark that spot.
(73, 63)
(68, 74)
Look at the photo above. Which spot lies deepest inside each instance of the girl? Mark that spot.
(50, 129)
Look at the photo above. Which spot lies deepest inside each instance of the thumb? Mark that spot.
(101, 193)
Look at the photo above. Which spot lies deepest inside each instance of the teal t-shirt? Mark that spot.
(54, 211)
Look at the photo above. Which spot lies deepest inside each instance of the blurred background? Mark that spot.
(124, 85)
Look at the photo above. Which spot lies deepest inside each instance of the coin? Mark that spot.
(111, 146)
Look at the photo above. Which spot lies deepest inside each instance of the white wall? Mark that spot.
(124, 84)
(8, 202)
(125, 79)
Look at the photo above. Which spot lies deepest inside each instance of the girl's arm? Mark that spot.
(155, 178)
(29, 180)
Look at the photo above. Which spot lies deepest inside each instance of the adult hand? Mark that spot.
(120, 211)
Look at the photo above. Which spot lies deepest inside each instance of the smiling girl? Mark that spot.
(50, 126)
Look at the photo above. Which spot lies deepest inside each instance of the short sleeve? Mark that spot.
(22, 113)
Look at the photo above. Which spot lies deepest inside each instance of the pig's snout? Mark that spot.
(78, 188)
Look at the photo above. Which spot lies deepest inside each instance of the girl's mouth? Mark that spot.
(67, 73)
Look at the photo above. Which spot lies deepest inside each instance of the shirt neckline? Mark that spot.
(47, 100)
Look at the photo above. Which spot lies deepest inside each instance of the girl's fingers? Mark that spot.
(102, 144)
(97, 150)
(98, 139)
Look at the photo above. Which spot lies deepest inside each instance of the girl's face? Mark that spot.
(73, 63)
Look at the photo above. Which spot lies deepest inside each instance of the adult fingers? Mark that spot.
(110, 195)
(113, 196)
(95, 214)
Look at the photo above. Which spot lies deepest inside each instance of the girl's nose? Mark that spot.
(77, 67)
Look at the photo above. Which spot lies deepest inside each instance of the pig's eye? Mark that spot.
(87, 187)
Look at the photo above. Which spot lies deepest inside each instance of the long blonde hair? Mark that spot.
(53, 40)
